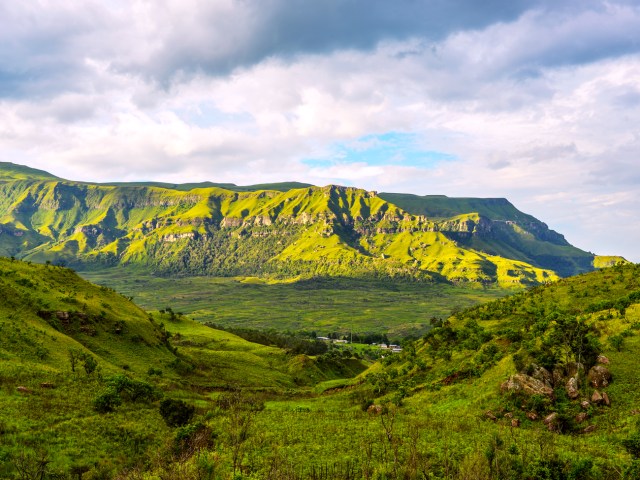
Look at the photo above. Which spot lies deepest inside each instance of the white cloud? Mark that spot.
(542, 109)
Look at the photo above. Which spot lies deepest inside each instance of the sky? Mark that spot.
(535, 101)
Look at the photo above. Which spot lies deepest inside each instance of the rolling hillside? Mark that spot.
(279, 232)
(83, 370)
(445, 405)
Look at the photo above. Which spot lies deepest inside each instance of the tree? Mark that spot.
(107, 400)
(89, 363)
(176, 413)
(74, 358)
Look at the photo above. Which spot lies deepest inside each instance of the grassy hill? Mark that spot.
(278, 231)
(503, 231)
(438, 408)
(68, 345)
(457, 375)
(11, 171)
(323, 305)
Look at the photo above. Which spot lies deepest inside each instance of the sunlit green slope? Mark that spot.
(69, 348)
(280, 232)
(498, 228)
(552, 333)
(47, 312)
(12, 171)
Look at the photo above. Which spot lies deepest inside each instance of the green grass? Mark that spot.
(282, 231)
(45, 407)
(313, 424)
(344, 305)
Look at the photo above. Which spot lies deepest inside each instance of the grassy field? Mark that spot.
(343, 305)
(262, 413)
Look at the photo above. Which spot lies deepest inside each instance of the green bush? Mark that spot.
(107, 400)
(176, 413)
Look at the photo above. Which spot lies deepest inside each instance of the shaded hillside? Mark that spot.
(308, 231)
(501, 229)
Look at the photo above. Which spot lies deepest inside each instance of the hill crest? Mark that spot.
(279, 231)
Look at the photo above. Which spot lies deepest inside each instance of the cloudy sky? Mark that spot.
(536, 101)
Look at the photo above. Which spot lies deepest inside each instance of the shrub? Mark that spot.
(107, 400)
(176, 413)
(133, 390)
(632, 445)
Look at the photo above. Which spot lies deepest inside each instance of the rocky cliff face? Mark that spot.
(306, 231)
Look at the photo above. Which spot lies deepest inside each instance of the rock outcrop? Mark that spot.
(599, 376)
(526, 384)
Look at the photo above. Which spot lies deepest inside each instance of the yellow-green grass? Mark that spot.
(344, 305)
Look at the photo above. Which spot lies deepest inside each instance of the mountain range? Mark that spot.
(280, 231)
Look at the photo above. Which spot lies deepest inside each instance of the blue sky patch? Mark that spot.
(391, 148)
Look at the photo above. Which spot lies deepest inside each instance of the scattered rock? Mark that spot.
(508, 415)
(605, 399)
(585, 404)
(542, 374)
(602, 359)
(596, 397)
(551, 421)
(515, 423)
(47, 385)
(572, 388)
(374, 409)
(589, 429)
(581, 417)
(599, 376)
(22, 389)
(558, 376)
(526, 384)
(532, 416)
(62, 315)
(490, 415)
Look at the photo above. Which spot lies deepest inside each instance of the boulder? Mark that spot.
(515, 423)
(585, 404)
(532, 416)
(490, 415)
(581, 417)
(599, 376)
(526, 384)
(374, 409)
(589, 429)
(508, 415)
(596, 397)
(551, 421)
(542, 374)
(605, 399)
(572, 388)
(603, 360)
